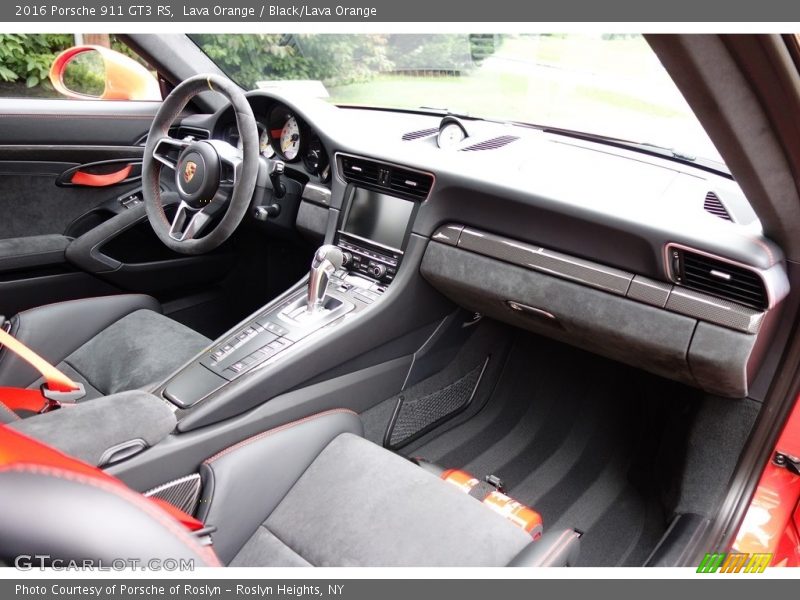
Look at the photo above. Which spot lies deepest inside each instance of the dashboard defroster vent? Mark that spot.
(715, 206)
(415, 135)
(491, 144)
(387, 178)
(718, 278)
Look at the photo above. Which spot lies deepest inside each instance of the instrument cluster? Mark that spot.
(285, 136)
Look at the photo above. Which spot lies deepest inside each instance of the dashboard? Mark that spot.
(653, 262)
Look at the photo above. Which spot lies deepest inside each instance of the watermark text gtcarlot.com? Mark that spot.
(28, 562)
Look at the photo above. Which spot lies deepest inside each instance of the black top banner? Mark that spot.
(462, 11)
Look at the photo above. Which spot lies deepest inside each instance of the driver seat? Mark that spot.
(109, 344)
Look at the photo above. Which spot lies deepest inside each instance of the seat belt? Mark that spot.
(57, 387)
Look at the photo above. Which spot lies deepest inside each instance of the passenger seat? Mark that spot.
(309, 493)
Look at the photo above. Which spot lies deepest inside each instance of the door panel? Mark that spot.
(82, 122)
(42, 144)
(32, 203)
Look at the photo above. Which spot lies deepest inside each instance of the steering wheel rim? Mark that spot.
(202, 198)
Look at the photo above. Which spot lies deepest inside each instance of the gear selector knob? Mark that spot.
(327, 260)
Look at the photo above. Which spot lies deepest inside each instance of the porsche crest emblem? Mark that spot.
(189, 170)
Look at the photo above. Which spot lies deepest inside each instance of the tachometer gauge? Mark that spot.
(290, 139)
(451, 134)
(286, 133)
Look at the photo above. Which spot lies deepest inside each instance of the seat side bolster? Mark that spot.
(557, 548)
(244, 483)
(120, 524)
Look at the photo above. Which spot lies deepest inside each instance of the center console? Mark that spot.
(345, 279)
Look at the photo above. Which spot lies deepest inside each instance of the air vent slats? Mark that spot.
(193, 132)
(714, 206)
(180, 133)
(360, 171)
(415, 135)
(491, 144)
(706, 272)
(720, 278)
(387, 178)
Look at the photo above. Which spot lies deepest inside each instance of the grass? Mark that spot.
(523, 79)
(613, 87)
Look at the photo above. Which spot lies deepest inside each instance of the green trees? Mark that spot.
(336, 59)
(257, 57)
(27, 57)
(340, 59)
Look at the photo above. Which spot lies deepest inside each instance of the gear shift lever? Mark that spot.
(327, 259)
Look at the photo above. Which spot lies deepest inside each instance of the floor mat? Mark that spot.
(566, 433)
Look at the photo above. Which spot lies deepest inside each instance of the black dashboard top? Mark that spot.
(592, 200)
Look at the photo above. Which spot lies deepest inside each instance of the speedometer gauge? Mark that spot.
(290, 139)
(264, 146)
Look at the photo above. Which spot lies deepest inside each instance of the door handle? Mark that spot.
(103, 173)
(96, 180)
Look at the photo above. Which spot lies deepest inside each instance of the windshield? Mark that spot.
(611, 85)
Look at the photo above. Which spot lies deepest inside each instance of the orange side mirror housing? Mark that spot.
(125, 79)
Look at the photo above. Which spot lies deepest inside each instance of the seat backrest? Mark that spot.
(57, 506)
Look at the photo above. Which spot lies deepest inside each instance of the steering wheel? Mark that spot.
(210, 175)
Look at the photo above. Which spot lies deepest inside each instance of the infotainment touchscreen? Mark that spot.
(378, 217)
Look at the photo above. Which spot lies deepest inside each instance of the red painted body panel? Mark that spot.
(772, 522)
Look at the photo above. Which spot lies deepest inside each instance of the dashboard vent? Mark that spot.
(360, 171)
(415, 135)
(715, 206)
(387, 178)
(193, 132)
(491, 144)
(410, 183)
(718, 278)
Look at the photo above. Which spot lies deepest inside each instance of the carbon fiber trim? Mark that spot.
(649, 291)
(182, 493)
(714, 310)
(582, 271)
(642, 289)
(448, 234)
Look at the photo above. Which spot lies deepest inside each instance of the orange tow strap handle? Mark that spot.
(57, 386)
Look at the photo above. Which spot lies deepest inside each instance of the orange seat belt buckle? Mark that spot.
(57, 387)
(17, 399)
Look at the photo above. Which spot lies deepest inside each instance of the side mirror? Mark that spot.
(96, 72)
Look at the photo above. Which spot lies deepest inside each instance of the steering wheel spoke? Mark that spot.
(167, 150)
(189, 222)
(231, 161)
